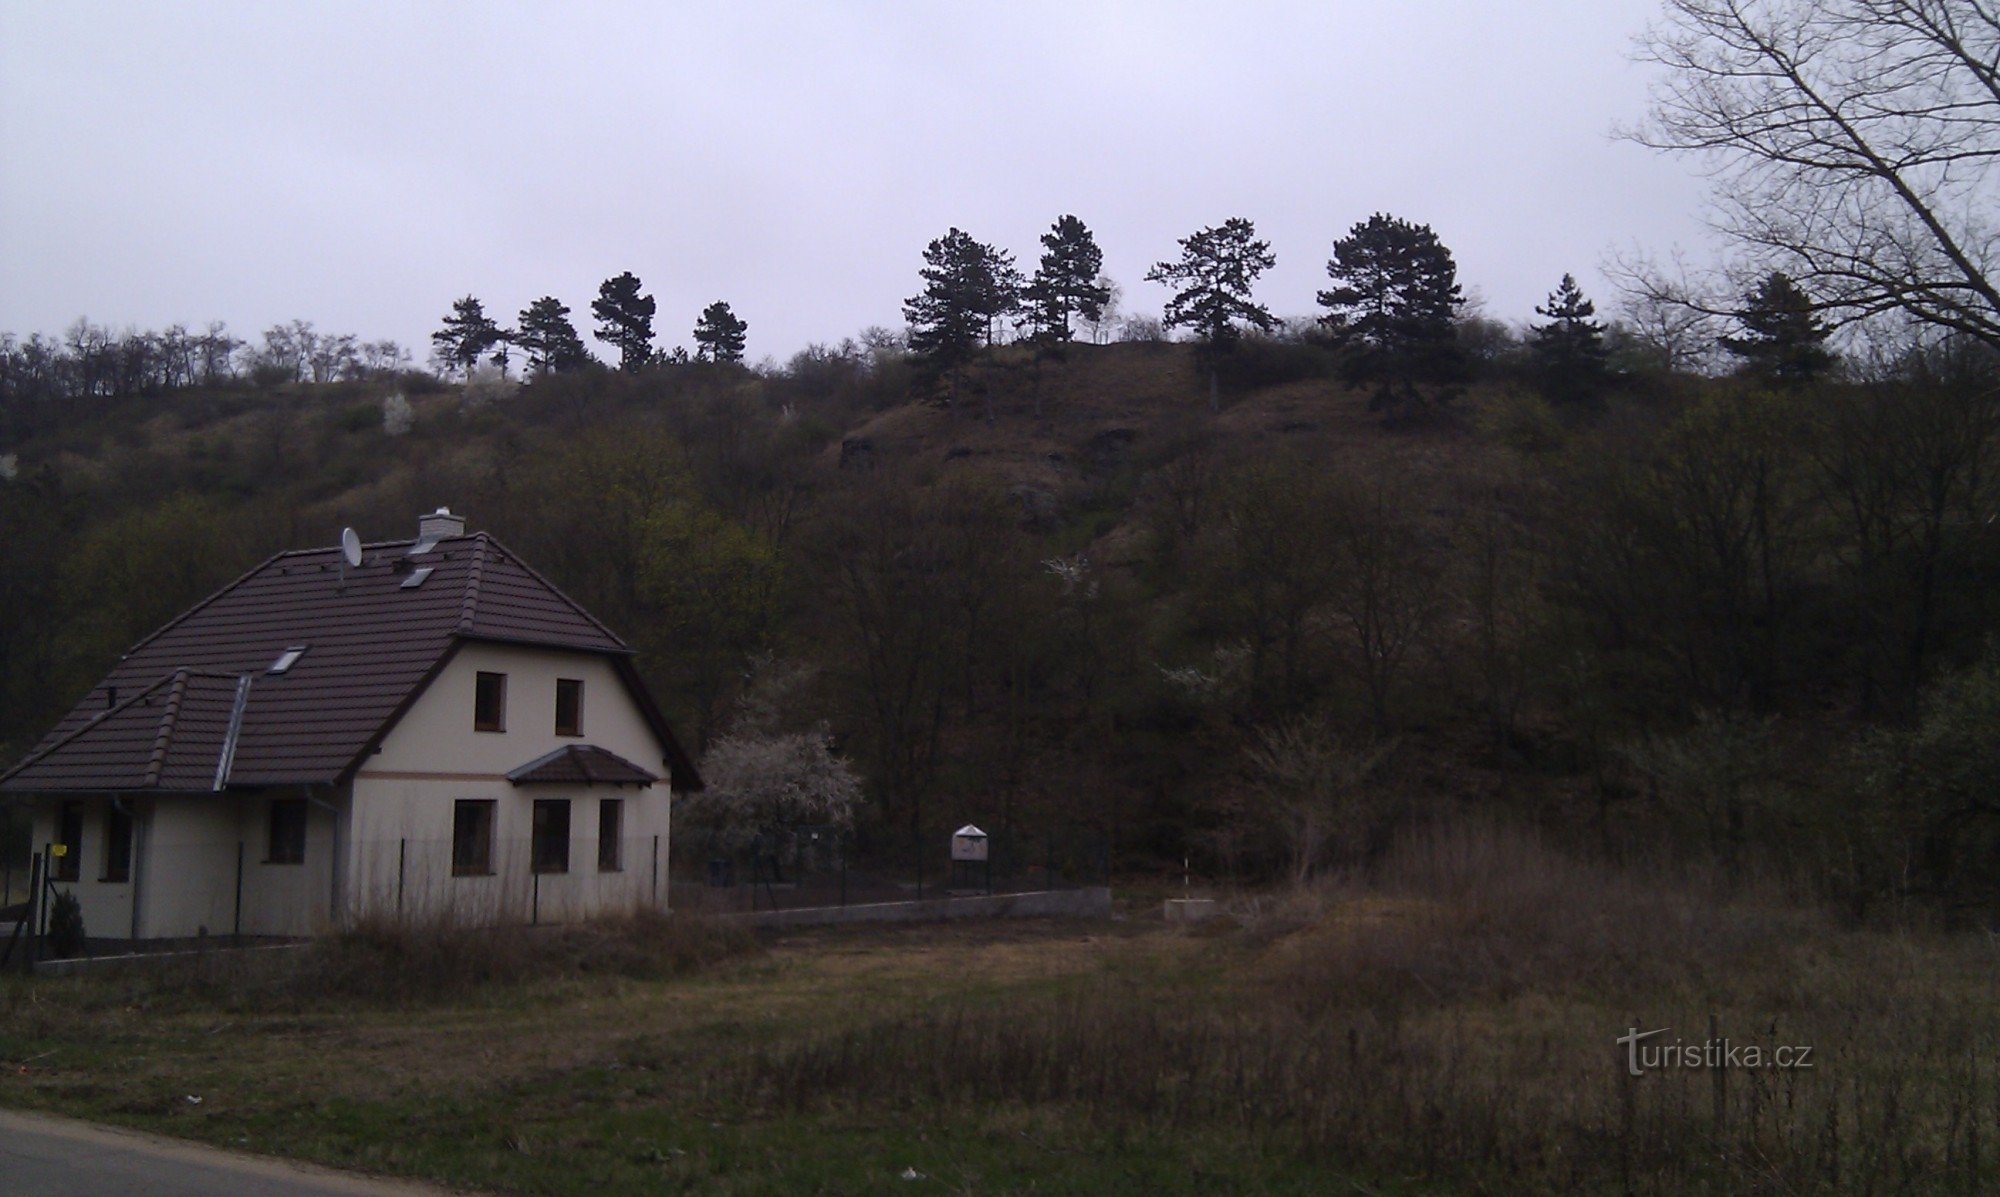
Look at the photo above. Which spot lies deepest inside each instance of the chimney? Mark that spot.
(440, 525)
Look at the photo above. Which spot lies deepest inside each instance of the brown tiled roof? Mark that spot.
(171, 735)
(371, 644)
(581, 764)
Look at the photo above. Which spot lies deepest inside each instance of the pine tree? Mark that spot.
(718, 335)
(1784, 341)
(1217, 268)
(467, 334)
(1569, 354)
(1066, 283)
(967, 285)
(625, 320)
(1394, 311)
(543, 332)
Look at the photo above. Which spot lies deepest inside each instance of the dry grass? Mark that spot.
(397, 961)
(1456, 1016)
(1445, 1024)
(1473, 910)
(1534, 1102)
(386, 961)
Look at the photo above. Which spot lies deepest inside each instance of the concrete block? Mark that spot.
(1191, 910)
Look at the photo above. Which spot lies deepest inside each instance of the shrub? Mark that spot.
(397, 415)
(1268, 361)
(358, 418)
(66, 936)
(760, 786)
(1521, 420)
(1473, 909)
(484, 385)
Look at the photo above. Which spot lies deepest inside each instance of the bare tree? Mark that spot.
(1389, 593)
(214, 351)
(331, 358)
(911, 584)
(1271, 564)
(1313, 787)
(1669, 333)
(1853, 144)
(1904, 469)
(1713, 774)
(1106, 318)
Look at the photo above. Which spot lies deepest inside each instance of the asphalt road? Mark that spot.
(56, 1157)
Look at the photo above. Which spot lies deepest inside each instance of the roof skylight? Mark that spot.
(288, 658)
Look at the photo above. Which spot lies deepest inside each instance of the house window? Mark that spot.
(472, 837)
(551, 845)
(489, 703)
(569, 706)
(288, 832)
(117, 843)
(610, 823)
(69, 833)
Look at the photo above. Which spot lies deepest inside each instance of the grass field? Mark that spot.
(1450, 1027)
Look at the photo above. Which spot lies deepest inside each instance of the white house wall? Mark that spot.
(188, 875)
(287, 899)
(405, 796)
(184, 868)
(106, 905)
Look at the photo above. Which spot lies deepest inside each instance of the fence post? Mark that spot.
(656, 870)
(38, 876)
(1718, 1114)
(236, 929)
(402, 860)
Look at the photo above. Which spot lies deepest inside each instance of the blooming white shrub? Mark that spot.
(484, 384)
(766, 785)
(397, 414)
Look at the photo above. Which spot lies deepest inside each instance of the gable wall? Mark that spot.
(405, 795)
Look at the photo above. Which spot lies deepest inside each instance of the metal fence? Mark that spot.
(521, 880)
(817, 866)
(235, 890)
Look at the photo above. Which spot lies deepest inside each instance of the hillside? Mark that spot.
(1270, 634)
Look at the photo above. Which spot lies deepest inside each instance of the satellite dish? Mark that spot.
(350, 548)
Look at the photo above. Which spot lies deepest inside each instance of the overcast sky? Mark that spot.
(362, 165)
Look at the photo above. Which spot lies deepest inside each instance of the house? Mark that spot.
(435, 729)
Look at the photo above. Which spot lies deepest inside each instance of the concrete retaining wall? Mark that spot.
(135, 960)
(1089, 902)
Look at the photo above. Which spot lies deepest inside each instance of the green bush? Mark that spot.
(66, 926)
(361, 417)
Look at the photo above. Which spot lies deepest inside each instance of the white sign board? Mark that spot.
(968, 843)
